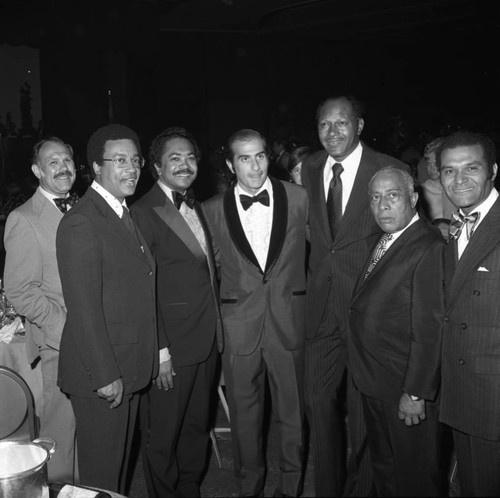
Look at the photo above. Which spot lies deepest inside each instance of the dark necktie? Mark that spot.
(378, 252)
(129, 223)
(63, 202)
(247, 200)
(334, 199)
(458, 220)
(187, 197)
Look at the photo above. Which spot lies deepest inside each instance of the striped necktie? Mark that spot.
(458, 220)
(334, 199)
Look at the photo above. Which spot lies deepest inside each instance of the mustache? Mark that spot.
(184, 171)
(66, 172)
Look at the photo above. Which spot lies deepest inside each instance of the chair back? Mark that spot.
(18, 418)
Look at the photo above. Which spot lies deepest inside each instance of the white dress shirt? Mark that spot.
(351, 166)
(482, 209)
(257, 222)
(51, 196)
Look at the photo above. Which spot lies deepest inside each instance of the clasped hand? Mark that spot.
(112, 393)
(412, 412)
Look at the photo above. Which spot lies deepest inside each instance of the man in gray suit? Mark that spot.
(470, 386)
(33, 286)
(259, 233)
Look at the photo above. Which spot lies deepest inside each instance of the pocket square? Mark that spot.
(482, 268)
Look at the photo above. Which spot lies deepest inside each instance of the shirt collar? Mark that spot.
(351, 162)
(167, 190)
(397, 234)
(112, 201)
(485, 206)
(49, 195)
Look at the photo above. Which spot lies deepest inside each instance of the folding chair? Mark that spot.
(216, 430)
(17, 409)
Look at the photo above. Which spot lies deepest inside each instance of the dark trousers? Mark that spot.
(175, 426)
(104, 438)
(245, 378)
(324, 372)
(406, 460)
(478, 465)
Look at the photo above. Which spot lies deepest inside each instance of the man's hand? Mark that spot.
(112, 393)
(412, 412)
(165, 379)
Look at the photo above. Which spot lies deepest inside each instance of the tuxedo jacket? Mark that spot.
(31, 276)
(187, 294)
(108, 284)
(255, 300)
(334, 265)
(470, 399)
(396, 318)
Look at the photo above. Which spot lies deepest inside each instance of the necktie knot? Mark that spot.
(64, 202)
(247, 200)
(337, 169)
(458, 220)
(187, 197)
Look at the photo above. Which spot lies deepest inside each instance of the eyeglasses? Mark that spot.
(122, 161)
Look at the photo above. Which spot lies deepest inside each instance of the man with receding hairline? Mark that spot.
(395, 341)
(33, 286)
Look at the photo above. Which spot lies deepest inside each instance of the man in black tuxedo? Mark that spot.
(395, 341)
(470, 386)
(109, 346)
(175, 412)
(340, 222)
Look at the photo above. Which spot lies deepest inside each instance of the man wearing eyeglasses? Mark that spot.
(109, 350)
(33, 286)
(175, 412)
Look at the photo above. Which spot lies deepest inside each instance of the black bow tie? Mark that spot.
(63, 202)
(247, 201)
(188, 198)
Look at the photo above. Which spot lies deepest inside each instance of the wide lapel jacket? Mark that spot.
(483, 241)
(278, 229)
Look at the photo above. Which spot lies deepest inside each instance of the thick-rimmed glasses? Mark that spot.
(122, 161)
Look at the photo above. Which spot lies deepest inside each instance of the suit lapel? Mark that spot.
(118, 228)
(236, 229)
(484, 239)
(171, 216)
(318, 203)
(279, 225)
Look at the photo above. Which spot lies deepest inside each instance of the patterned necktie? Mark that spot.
(458, 220)
(378, 252)
(64, 202)
(334, 199)
(247, 200)
(187, 197)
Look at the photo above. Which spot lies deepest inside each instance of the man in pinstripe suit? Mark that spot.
(336, 259)
(470, 391)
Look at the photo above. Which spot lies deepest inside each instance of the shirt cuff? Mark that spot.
(164, 355)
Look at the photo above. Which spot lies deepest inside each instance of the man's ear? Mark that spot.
(495, 171)
(96, 168)
(361, 125)
(36, 170)
(414, 199)
(230, 165)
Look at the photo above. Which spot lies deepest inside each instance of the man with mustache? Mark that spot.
(175, 412)
(33, 286)
(340, 222)
(109, 349)
(259, 232)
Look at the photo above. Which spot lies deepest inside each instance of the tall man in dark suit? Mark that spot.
(340, 222)
(33, 286)
(470, 390)
(258, 227)
(175, 416)
(395, 341)
(109, 349)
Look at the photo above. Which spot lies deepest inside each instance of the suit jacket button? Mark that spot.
(461, 361)
(463, 326)
(476, 293)
(446, 318)
(150, 273)
(333, 251)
